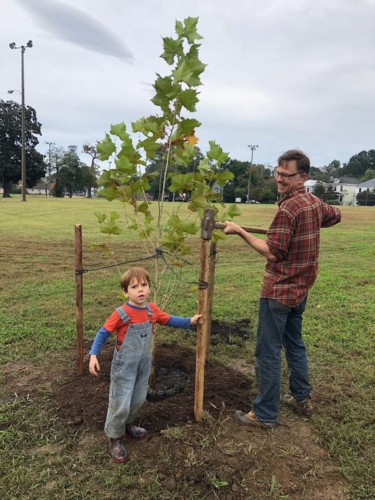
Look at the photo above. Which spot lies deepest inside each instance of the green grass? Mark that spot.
(37, 318)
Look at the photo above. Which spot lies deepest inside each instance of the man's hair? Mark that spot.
(303, 162)
(137, 273)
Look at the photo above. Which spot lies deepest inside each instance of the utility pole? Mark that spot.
(253, 148)
(23, 154)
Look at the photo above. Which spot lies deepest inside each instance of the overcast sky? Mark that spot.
(281, 73)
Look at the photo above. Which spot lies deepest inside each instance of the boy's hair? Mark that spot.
(303, 162)
(137, 273)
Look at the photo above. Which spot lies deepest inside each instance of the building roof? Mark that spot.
(367, 184)
(348, 180)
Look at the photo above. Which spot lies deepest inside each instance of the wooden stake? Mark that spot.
(207, 226)
(79, 298)
(212, 259)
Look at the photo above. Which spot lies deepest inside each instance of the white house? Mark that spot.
(310, 185)
(347, 186)
(366, 186)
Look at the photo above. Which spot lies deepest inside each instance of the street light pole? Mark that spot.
(253, 148)
(23, 153)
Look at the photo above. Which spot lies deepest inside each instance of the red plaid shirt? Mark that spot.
(293, 238)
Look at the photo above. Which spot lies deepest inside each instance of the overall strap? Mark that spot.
(123, 314)
(150, 311)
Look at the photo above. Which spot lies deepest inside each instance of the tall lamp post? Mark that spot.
(253, 148)
(23, 156)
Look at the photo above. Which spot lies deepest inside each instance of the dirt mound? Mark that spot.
(217, 454)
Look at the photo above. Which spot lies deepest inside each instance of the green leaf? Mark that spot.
(144, 208)
(111, 228)
(150, 147)
(110, 193)
(125, 166)
(216, 153)
(171, 49)
(187, 126)
(180, 182)
(190, 227)
(223, 177)
(119, 130)
(101, 217)
(106, 148)
(233, 211)
(114, 216)
(188, 99)
(204, 167)
(188, 29)
(183, 74)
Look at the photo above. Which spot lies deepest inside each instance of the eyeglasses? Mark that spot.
(276, 173)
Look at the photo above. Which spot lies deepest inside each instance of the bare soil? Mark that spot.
(218, 455)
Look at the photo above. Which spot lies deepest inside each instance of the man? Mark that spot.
(291, 249)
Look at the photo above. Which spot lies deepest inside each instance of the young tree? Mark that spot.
(11, 146)
(167, 142)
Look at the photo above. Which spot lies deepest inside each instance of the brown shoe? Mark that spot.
(251, 419)
(135, 432)
(118, 452)
(304, 406)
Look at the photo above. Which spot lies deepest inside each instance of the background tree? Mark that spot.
(359, 163)
(11, 146)
(70, 175)
(329, 171)
(369, 174)
(319, 190)
(90, 174)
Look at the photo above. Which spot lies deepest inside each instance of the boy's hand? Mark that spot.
(94, 367)
(194, 320)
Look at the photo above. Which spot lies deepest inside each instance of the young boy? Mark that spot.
(133, 323)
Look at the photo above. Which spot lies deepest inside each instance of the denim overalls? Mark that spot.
(129, 375)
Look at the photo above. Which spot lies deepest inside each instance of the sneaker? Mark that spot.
(135, 432)
(302, 406)
(118, 452)
(251, 419)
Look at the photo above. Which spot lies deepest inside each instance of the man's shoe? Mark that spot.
(135, 432)
(118, 452)
(304, 406)
(251, 419)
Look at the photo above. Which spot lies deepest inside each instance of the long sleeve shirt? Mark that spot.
(136, 315)
(294, 239)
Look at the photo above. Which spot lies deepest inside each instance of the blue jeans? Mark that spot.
(279, 326)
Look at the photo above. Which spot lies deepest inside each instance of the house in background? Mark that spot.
(329, 190)
(347, 186)
(310, 185)
(367, 186)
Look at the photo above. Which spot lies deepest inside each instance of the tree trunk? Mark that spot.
(7, 186)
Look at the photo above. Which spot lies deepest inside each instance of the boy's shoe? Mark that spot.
(251, 419)
(304, 406)
(118, 452)
(135, 432)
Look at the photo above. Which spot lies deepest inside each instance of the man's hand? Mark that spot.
(231, 228)
(94, 367)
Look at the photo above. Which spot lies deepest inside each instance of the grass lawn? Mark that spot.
(37, 326)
